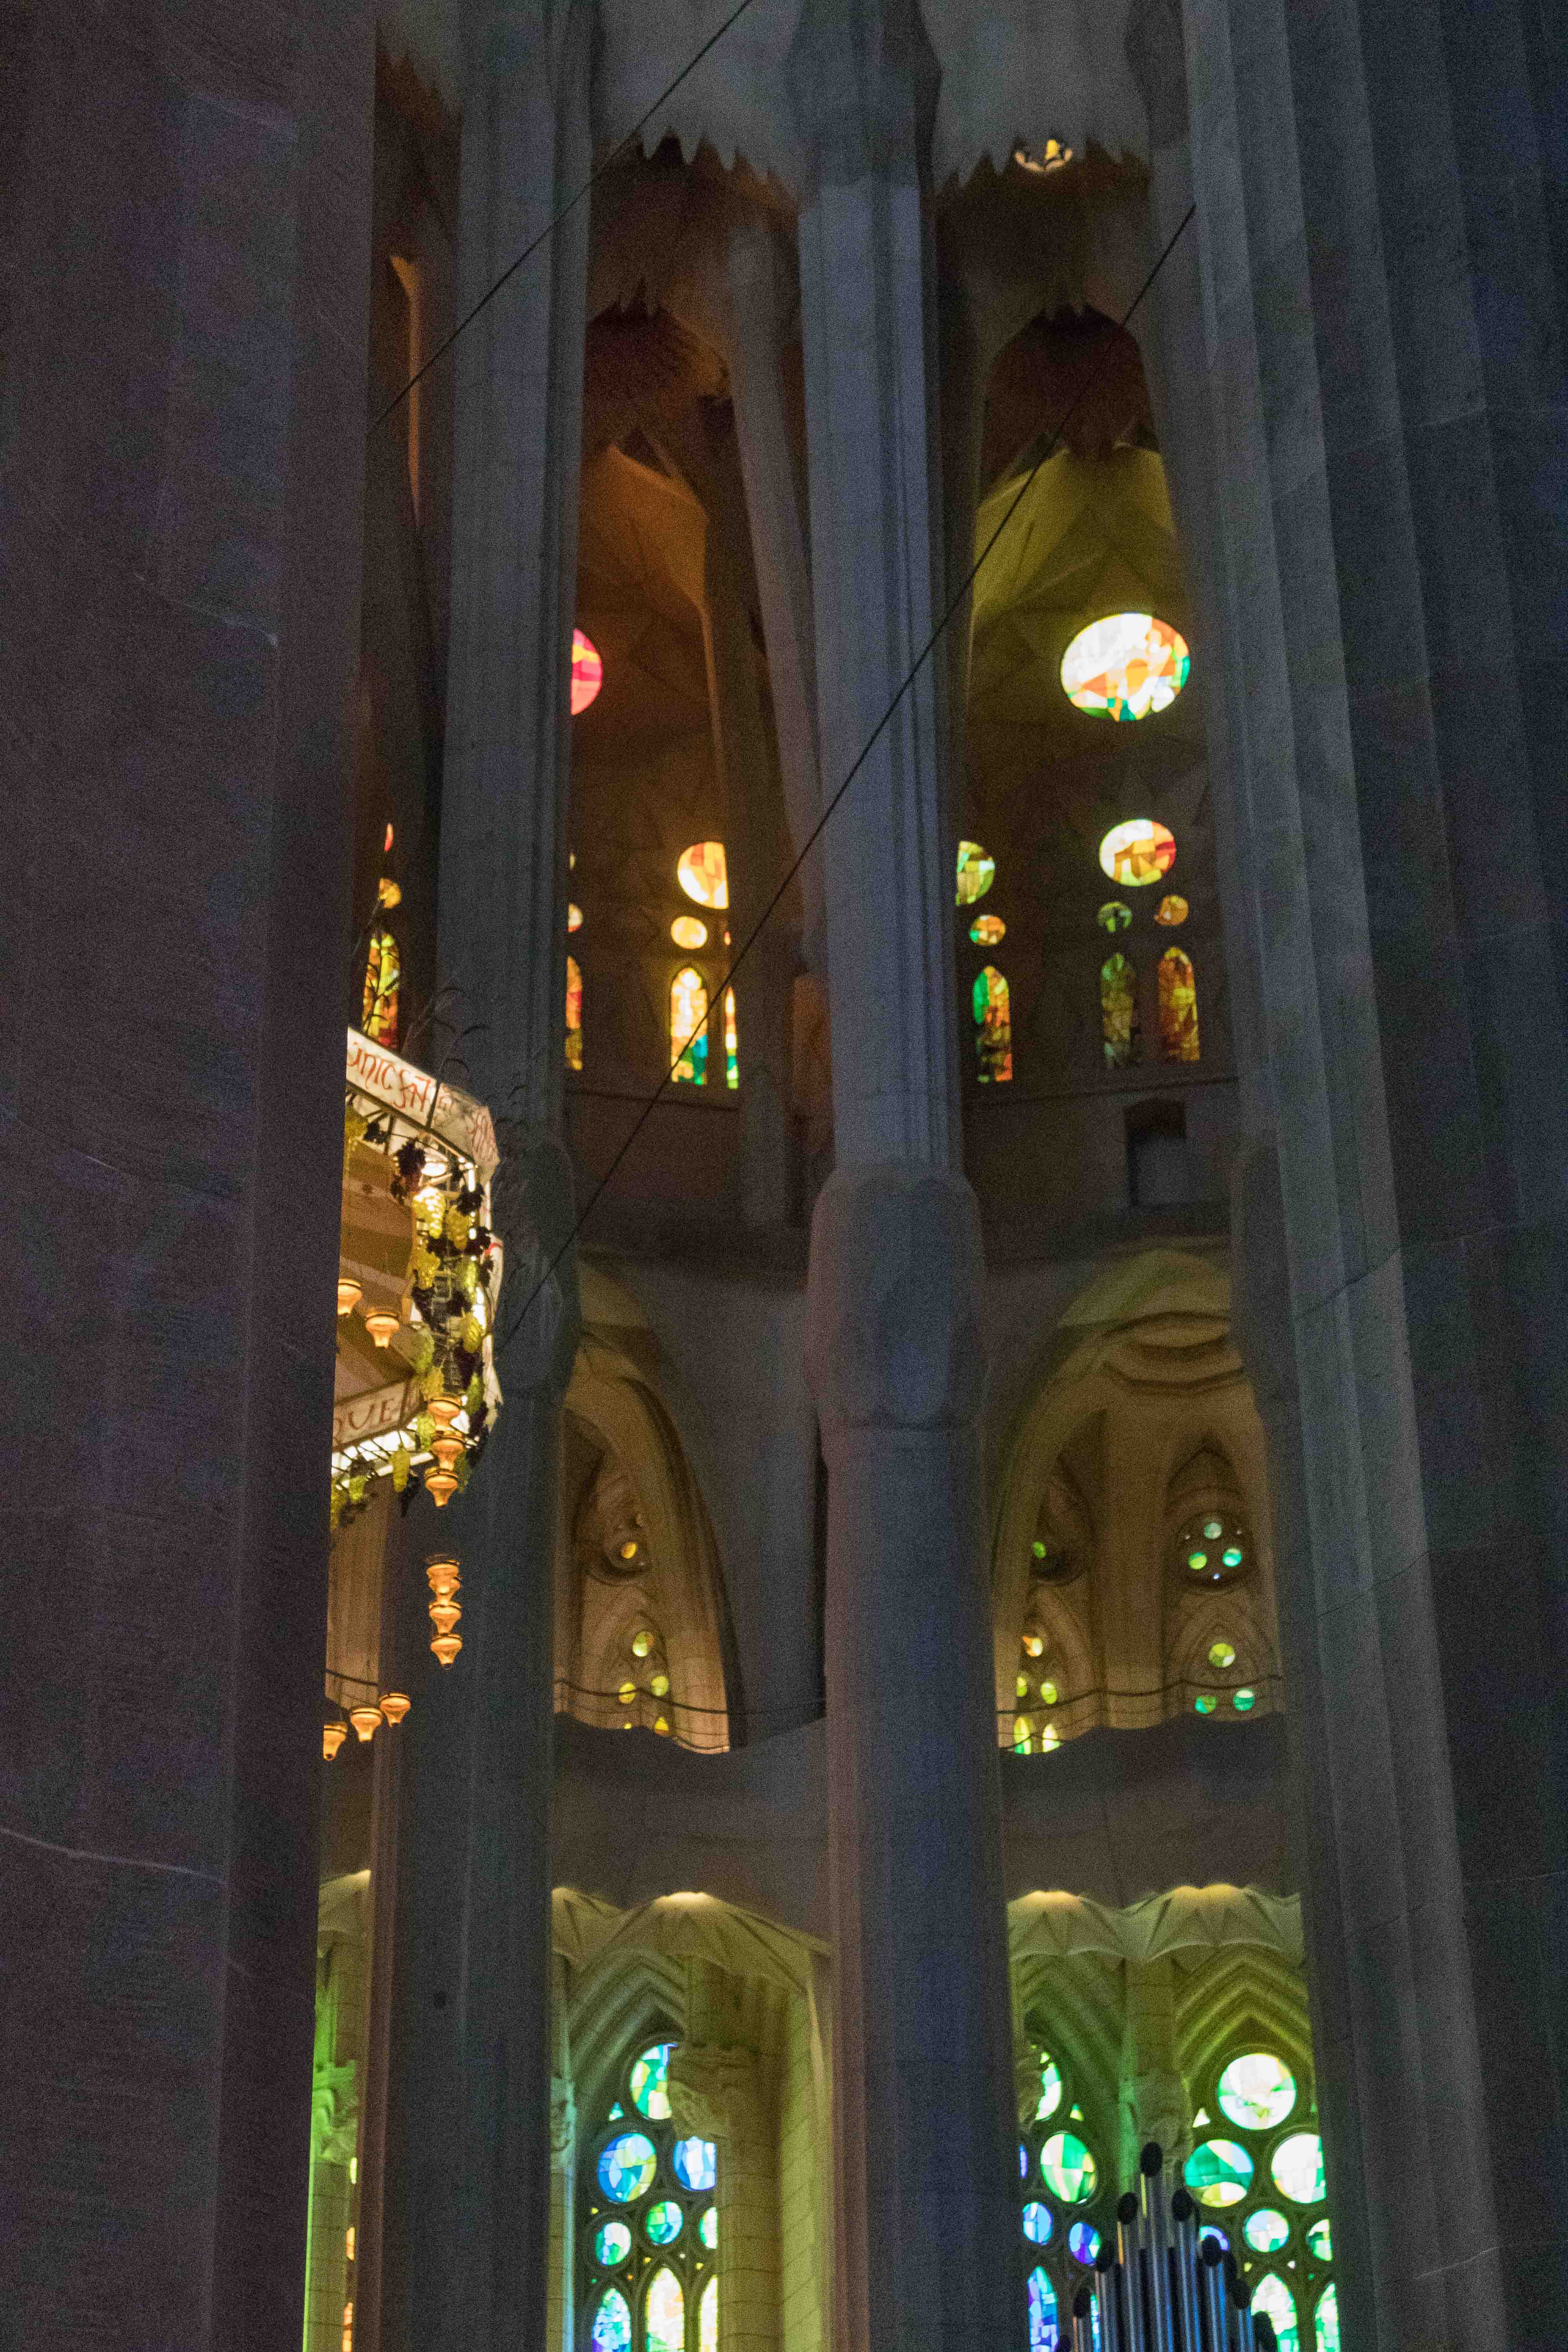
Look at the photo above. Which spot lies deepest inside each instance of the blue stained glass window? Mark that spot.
(1083, 2243)
(696, 2163)
(663, 2222)
(650, 2082)
(1043, 2334)
(626, 2167)
(1037, 2222)
(613, 2323)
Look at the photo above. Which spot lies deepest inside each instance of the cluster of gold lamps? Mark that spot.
(382, 1322)
(442, 1571)
(391, 1707)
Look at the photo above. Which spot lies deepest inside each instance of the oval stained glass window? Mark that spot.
(663, 2222)
(1218, 2172)
(1326, 2322)
(1115, 916)
(987, 931)
(1320, 2242)
(1171, 909)
(1137, 852)
(650, 2075)
(696, 2163)
(612, 2322)
(1083, 2243)
(1243, 1701)
(1023, 2160)
(708, 2318)
(1257, 2091)
(1265, 2231)
(1068, 2170)
(1274, 2299)
(626, 2167)
(708, 2227)
(574, 916)
(1221, 1655)
(1297, 2166)
(611, 2243)
(703, 875)
(1042, 2312)
(1037, 2222)
(1050, 2097)
(1205, 1703)
(1127, 665)
(976, 872)
(664, 2313)
(688, 932)
(587, 671)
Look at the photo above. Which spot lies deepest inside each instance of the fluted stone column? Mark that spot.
(1154, 2104)
(717, 2090)
(465, 2246)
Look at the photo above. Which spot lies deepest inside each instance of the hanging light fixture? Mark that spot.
(394, 1706)
(447, 1647)
(441, 1568)
(349, 1293)
(332, 1737)
(444, 1410)
(383, 1325)
(365, 1719)
(444, 1615)
(440, 1485)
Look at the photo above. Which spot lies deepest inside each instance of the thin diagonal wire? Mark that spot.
(1090, 375)
(551, 225)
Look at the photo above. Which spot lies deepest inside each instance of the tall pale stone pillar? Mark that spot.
(925, 2169)
(466, 2242)
(717, 2090)
(184, 217)
(1383, 304)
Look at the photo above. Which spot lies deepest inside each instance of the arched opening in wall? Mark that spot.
(1221, 1656)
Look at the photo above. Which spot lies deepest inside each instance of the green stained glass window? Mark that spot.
(664, 2313)
(1274, 2299)
(976, 872)
(1068, 2170)
(708, 2318)
(612, 2244)
(650, 2078)
(1050, 2096)
(617, 2112)
(1243, 1701)
(708, 2227)
(695, 2162)
(1257, 2091)
(1218, 2172)
(1320, 2242)
(1119, 1011)
(1297, 2166)
(993, 1027)
(1221, 1655)
(1213, 1529)
(687, 1037)
(663, 2222)
(1043, 2335)
(1205, 1702)
(1037, 2222)
(1265, 2231)
(1178, 1007)
(1326, 2321)
(626, 2167)
(1115, 916)
(613, 2323)
(1231, 1556)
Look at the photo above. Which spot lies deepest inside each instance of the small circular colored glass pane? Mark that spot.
(1243, 1701)
(1213, 1529)
(1050, 2097)
(1197, 1560)
(1083, 2243)
(1257, 2091)
(1127, 665)
(587, 671)
(1034, 1646)
(1037, 2222)
(1221, 1655)
(1137, 853)
(611, 2243)
(708, 2227)
(1023, 2162)
(976, 872)
(1172, 908)
(1205, 1703)
(626, 2167)
(1218, 2172)
(1231, 1556)
(1326, 2321)
(1274, 2299)
(626, 1693)
(660, 1686)
(1042, 2312)
(1297, 2165)
(987, 931)
(641, 1644)
(688, 932)
(573, 917)
(1265, 2231)
(650, 2075)
(1068, 2170)
(612, 2322)
(1320, 2242)
(1021, 1686)
(695, 2162)
(1115, 916)
(1048, 1694)
(663, 2222)
(703, 875)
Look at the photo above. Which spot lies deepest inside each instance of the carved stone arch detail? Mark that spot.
(1244, 1999)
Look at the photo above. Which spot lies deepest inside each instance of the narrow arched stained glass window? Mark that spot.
(648, 2226)
(688, 1038)
(664, 2313)
(382, 973)
(1119, 1011)
(1044, 2336)
(976, 872)
(732, 1042)
(1274, 2300)
(573, 1014)
(993, 1027)
(708, 2318)
(703, 873)
(1178, 1007)
(613, 2323)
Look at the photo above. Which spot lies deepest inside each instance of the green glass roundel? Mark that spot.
(1050, 2097)
(708, 2227)
(1265, 2231)
(1068, 2170)
(1243, 1701)
(663, 2222)
(1205, 1703)
(1274, 2299)
(1257, 2091)
(1320, 2242)
(1039, 2222)
(695, 2162)
(612, 2244)
(626, 2167)
(650, 2082)
(1297, 2165)
(1326, 2321)
(612, 2322)
(1218, 2172)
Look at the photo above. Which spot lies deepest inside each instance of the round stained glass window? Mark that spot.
(1171, 909)
(1243, 1701)
(1115, 916)
(1274, 2299)
(573, 917)
(1218, 2172)
(987, 931)
(708, 2227)
(1213, 1529)
(663, 2222)
(587, 671)
(1037, 2222)
(688, 932)
(1221, 1655)
(1205, 1703)
(695, 2162)
(1326, 2322)
(650, 2075)
(1257, 2091)
(1320, 2242)
(1068, 2170)
(976, 872)
(612, 2322)
(1265, 2231)
(1083, 2243)
(1127, 665)
(1042, 2312)
(1297, 2165)
(703, 875)
(1137, 852)
(611, 2243)
(626, 2167)
(1050, 2097)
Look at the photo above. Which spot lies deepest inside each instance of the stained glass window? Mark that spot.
(1067, 2204)
(1263, 2178)
(1274, 2299)
(732, 1042)
(612, 2244)
(660, 2231)
(626, 2167)
(1068, 2170)
(1137, 853)
(1218, 2172)
(1115, 916)
(1037, 2222)
(613, 2323)
(663, 2222)
(708, 2318)
(664, 2313)
(649, 2083)
(987, 931)
(573, 1014)
(703, 875)
(1265, 2231)
(1257, 2090)
(689, 932)
(383, 971)
(1326, 2321)
(587, 671)
(1043, 2332)
(1297, 2166)
(1214, 1549)
(1171, 909)
(688, 1038)
(695, 2162)
(1119, 1011)
(1320, 2242)
(1127, 665)
(1178, 1008)
(976, 872)
(993, 1027)
(1083, 2243)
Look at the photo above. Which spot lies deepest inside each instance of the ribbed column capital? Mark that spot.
(892, 1337)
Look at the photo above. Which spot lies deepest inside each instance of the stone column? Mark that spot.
(466, 2232)
(184, 220)
(717, 2092)
(1154, 2097)
(925, 2168)
(562, 2329)
(1383, 312)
